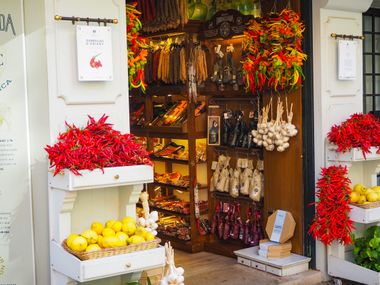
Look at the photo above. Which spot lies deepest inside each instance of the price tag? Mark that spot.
(214, 165)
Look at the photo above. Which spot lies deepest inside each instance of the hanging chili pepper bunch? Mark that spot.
(360, 130)
(332, 221)
(256, 61)
(97, 145)
(275, 56)
(137, 49)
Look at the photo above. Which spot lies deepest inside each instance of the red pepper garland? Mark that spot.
(332, 221)
(274, 55)
(360, 130)
(98, 145)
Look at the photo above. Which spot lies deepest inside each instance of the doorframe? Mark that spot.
(308, 132)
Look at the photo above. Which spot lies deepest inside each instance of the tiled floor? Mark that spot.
(210, 269)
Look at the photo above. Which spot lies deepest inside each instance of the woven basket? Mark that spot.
(369, 205)
(105, 252)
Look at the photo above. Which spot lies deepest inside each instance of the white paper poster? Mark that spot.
(16, 236)
(94, 51)
(347, 60)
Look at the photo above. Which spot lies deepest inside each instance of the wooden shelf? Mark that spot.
(254, 150)
(172, 160)
(193, 26)
(165, 211)
(181, 188)
(188, 246)
(227, 196)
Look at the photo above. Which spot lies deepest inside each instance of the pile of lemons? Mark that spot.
(112, 234)
(361, 194)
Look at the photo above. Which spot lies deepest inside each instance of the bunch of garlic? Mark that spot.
(275, 134)
(261, 134)
(150, 219)
(173, 275)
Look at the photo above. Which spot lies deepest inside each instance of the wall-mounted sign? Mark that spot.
(347, 60)
(94, 51)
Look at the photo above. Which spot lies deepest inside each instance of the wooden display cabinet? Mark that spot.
(192, 129)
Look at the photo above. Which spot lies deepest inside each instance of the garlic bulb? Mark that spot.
(173, 275)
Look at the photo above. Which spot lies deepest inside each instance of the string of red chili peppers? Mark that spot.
(360, 130)
(332, 221)
(97, 145)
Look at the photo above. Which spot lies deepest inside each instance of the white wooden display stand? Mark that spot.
(340, 258)
(63, 188)
(285, 266)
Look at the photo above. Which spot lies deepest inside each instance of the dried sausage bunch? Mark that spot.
(162, 15)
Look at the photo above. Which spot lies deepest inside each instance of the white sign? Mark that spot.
(347, 60)
(94, 50)
(16, 237)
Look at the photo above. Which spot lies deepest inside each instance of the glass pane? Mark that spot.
(368, 85)
(377, 84)
(377, 63)
(368, 43)
(368, 64)
(377, 42)
(377, 102)
(368, 23)
(368, 104)
(377, 24)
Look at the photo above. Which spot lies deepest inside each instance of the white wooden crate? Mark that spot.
(112, 177)
(365, 216)
(99, 268)
(289, 265)
(354, 155)
(342, 268)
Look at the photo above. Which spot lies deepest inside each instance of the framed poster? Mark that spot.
(213, 130)
(94, 52)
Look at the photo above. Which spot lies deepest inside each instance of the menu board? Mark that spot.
(16, 239)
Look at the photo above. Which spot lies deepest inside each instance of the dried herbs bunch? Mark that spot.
(97, 145)
(360, 130)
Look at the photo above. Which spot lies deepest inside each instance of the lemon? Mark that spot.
(354, 197)
(128, 219)
(360, 188)
(90, 236)
(362, 199)
(136, 239)
(93, 247)
(110, 223)
(110, 241)
(149, 236)
(117, 226)
(107, 232)
(97, 227)
(70, 239)
(376, 188)
(122, 237)
(372, 197)
(79, 243)
(129, 228)
(100, 240)
(141, 231)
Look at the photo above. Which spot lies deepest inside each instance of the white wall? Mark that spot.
(334, 100)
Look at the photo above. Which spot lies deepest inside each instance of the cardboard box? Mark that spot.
(280, 226)
(270, 249)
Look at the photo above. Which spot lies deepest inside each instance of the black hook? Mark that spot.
(73, 19)
(87, 20)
